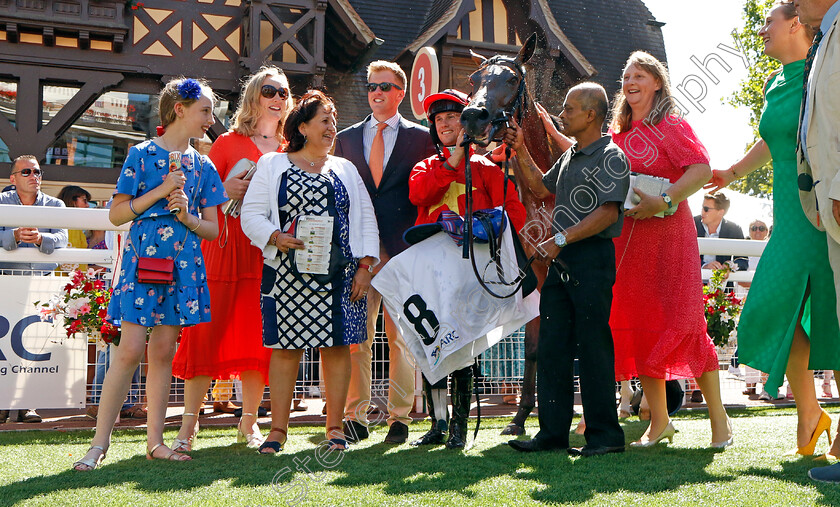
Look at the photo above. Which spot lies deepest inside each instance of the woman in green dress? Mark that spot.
(789, 323)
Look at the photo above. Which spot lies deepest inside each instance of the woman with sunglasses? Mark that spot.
(789, 322)
(230, 346)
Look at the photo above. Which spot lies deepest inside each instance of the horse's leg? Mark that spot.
(527, 398)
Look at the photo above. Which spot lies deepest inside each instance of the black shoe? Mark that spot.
(533, 445)
(435, 436)
(4, 414)
(354, 431)
(261, 412)
(697, 396)
(397, 434)
(457, 435)
(595, 450)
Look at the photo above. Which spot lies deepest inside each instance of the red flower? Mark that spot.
(98, 284)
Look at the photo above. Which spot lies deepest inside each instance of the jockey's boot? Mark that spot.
(439, 415)
(462, 383)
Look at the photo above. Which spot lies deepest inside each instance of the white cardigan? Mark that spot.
(260, 215)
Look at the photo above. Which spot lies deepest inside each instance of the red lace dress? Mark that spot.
(232, 342)
(657, 318)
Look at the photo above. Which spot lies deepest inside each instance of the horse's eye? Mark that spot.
(513, 80)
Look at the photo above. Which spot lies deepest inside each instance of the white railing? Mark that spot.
(736, 247)
(59, 218)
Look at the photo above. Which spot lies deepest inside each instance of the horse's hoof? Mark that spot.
(513, 429)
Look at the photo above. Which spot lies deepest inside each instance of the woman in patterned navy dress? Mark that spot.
(298, 311)
(170, 211)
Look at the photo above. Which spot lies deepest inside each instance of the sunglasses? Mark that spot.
(385, 87)
(760, 228)
(27, 171)
(269, 92)
(708, 209)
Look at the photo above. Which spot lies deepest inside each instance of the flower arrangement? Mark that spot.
(722, 308)
(84, 304)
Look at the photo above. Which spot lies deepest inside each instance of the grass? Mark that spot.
(35, 470)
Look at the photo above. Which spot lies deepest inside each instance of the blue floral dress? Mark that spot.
(156, 233)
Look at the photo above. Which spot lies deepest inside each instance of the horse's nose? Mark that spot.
(475, 120)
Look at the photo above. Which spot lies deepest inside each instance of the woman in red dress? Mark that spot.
(231, 345)
(657, 315)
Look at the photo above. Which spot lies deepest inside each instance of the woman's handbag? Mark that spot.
(151, 270)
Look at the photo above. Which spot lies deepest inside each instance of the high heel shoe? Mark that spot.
(179, 445)
(273, 445)
(823, 425)
(668, 433)
(88, 464)
(729, 441)
(253, 439)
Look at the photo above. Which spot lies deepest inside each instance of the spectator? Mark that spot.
(369, 145)
(711, 224)
(26, 177)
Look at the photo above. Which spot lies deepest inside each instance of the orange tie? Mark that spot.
(377, 154)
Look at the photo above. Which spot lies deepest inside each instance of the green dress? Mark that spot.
(796, 255)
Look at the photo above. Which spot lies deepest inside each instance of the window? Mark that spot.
(8, 102)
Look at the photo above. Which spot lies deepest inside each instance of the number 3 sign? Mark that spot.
(425, 79)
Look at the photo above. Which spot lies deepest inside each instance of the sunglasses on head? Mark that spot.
(385, 87)
(708, 209)
(269, 92)
(760, 228)
(27, 171)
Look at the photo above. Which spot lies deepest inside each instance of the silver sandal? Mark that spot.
(179, 445)
(90, 463)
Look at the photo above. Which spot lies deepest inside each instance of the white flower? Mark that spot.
(167, 233)
(150, 250)
(128, 172)
(138, 301)
(725, 317)
(143, 320)
(183, 264)
(142, 185)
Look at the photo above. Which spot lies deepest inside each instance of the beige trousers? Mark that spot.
(401, 368)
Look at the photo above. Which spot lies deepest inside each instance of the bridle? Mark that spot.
(519, 104)
(499, 124)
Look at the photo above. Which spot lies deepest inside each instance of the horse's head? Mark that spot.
(498, 91)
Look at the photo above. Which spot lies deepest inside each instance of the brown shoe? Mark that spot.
(299, 406)
(133, 412)
(92, 411)
(28, 416)
(224, 407)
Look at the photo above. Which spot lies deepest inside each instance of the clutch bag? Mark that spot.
(152, 270)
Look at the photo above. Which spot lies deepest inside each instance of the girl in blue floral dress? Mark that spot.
(171, 210)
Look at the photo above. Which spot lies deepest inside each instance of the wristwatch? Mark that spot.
(667, 199)
(560, 239)
(368, 267)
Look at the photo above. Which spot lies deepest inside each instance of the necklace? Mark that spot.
(265, 137)
(311, 163)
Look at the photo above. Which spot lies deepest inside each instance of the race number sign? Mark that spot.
(445, 316)
(425, 79)
(39, 366)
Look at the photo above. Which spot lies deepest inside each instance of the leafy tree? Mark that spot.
(751, 94)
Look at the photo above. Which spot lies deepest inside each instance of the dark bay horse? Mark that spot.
(500, 92)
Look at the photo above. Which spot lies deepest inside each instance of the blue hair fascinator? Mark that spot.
(189, 89)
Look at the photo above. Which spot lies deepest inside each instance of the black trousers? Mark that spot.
(574, 320)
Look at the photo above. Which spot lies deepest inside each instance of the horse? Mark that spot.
(499, 93)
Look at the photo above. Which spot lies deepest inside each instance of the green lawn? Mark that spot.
(36, 471)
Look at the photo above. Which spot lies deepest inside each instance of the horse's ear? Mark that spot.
(477, 58)
(527, 50)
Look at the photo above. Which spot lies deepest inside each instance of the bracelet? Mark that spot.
(734, 173)
(131, 207)
(274, 241)
(447, 166)
(197, 225)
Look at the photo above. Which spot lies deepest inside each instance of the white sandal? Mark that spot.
(179, 445)
(90, 463)
(253, 439)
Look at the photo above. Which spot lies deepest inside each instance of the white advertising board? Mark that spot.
(39, 366)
